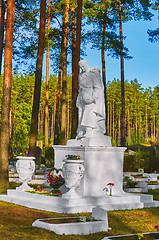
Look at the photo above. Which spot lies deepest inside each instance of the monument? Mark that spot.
(103, 163)
(95, 179)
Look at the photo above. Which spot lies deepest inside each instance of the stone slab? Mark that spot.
(86, 204)
(136, 190)
(153, 186)
(79, 228)
(99, 141)
(99, 224)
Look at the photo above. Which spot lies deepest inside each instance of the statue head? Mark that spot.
(83, 65)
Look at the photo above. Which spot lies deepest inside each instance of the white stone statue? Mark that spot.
(90, 102)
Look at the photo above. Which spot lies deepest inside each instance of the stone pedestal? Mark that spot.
(102, 164)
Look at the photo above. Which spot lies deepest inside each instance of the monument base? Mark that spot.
(84, 204)
(103, 165)
(99, 141)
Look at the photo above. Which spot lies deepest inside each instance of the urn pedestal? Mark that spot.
(25, 167)
(72, 172)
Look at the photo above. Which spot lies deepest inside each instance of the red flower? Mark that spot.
(110, 184)
(156, 227)
(58, 193)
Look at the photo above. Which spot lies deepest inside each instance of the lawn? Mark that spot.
(16, 222)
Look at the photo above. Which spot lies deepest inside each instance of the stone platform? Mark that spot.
(85, 204)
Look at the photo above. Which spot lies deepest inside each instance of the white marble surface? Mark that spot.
(25, 167)
(102, 166)
(85, 204)
(79, 228)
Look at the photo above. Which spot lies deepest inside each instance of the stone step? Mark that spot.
(122, 206)
(85, 204)
(151, 204)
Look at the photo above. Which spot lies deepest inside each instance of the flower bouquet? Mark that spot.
(56, 181)
(110, 186)
(24, 154)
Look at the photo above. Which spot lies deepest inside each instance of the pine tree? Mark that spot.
(47, 82)
(64, 74)
(76, 69)
(4, 137)
(2, 13)
(38, 75)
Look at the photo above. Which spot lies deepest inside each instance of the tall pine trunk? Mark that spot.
(73, 67)
(113, 121)
(119, 132)
(4, 140)
(104, 70)
(2, 13)
(38, 75)
(68, 114)
(123, 140)
(129, 134)
(76, 70)
(146, 124)
(57, 114)
(47, 82)
(108, 117)
(110, 120)
(64, 75)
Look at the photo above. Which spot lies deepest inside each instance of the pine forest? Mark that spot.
(41, 111)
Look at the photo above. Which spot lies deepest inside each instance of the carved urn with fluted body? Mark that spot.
(25, 167)
(72, 172)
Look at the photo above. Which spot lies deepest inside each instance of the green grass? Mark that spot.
(16, 222)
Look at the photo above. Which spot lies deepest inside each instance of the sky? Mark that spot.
(144, 66)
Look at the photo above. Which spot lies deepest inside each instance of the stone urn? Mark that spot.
(25, 167)
(72, 172)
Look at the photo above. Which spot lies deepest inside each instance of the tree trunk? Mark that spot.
(2, 13)
(57, 118)
(113, 121)
(76, 70)
(4, 141)
(146, 125)
(154, 128)
(136, 128)
(52, 122)
(123, 141)
(64, 75)
(128, 125)
(119, 134)
(47, 82)
(68, 113)
(104, 71)
(38, 75)
(108, 118)
(41, 124)
(73, 134)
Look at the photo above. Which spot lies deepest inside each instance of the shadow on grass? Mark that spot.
(16, 222)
